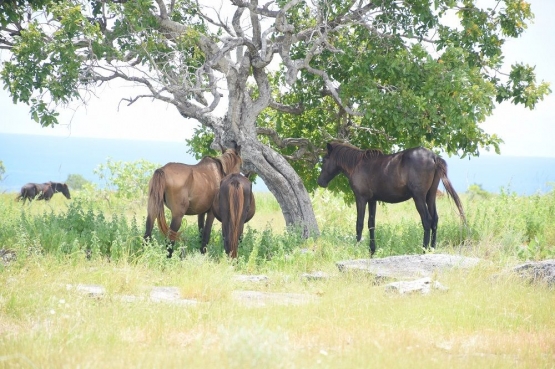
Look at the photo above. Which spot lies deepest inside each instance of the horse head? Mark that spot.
(330, 168)
(65, 190)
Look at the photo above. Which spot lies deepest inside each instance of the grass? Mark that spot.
(486, 319)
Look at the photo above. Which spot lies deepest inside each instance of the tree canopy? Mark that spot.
(291, 74)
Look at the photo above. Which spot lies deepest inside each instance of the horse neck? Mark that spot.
(230, 162)
(349, 163)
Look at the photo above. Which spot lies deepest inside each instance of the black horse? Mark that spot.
(44, 191)
(412, 173)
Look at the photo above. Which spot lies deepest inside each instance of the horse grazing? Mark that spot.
(188, 190)
(234, 206)
(412, 173)
(44, 191)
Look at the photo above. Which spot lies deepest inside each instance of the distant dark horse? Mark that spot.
(45, 191)
(234, 205)
(188, 190)
(413, 173)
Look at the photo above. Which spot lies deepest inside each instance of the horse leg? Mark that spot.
(206, 231)
(174, 228)
(426, 218)
(361, 208)
(432, 209)
(372, 225)
(200, 221)
(148, 227)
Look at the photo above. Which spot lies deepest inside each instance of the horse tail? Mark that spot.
(236, 198)
(156, 189)
(22, 194)
(442, 171)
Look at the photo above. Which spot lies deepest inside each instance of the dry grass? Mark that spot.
(484, 320)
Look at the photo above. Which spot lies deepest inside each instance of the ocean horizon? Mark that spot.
(33, 158)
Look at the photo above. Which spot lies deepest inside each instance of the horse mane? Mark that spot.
(229, 161)
(349, 157)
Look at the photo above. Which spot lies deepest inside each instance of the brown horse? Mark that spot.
(44, 191)
(188, 190)
(234, 206)
(414, 173)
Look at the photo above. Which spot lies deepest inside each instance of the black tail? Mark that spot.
(442, 168)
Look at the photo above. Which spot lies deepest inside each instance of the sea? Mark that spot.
(32, 158)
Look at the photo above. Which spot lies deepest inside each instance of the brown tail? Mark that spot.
(442, 168)
(156, 190)
(236, 205)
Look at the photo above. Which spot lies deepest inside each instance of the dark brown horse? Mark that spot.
(234, 206)
(44, 191)
(188, 190)
(414, 173)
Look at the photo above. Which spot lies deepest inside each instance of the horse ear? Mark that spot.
(238, 149)
(330, 147)
(222, 148)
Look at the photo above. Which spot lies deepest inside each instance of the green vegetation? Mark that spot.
(76, 181)
(486, 319)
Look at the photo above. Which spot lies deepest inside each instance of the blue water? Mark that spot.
(29, 158)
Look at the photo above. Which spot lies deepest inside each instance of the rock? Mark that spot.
(259, 299)
(423, 285)
(314, 276)
(7, 256)
(92, 290)
(251, 278)
(538, 271)
(169, 294)
(407, 266)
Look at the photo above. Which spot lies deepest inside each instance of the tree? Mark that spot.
(291, 74)
(2, 170)
(76, 181)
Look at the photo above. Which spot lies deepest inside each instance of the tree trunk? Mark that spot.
(285, 184)
(278, 175)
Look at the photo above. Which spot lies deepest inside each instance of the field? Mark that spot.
(487, 318)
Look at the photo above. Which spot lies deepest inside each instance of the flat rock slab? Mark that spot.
(422, 285)
(171, 295)
(260, 299)
(538, 271)
(407, 266)
(315, 276)
(251, 278)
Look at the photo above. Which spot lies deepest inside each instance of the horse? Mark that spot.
(373, 176)
(45, 191)
(188, 190)
(234, 206)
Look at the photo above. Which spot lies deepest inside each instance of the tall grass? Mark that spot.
(498, 226)
(485, 319)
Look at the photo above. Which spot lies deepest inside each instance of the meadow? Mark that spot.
(487, 318)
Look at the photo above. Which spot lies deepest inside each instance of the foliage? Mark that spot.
(384, 74)
(2, 170)
(499, 226)
(76, 181)
(476, 191)
(128, 179)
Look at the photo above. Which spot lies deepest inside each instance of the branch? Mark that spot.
(297, 110)
(306, 150)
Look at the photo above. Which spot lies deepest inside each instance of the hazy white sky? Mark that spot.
(525, 132)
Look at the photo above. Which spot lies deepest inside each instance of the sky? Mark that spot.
(525, 132)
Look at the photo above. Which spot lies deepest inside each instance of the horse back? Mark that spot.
(195, 184)
(396, 177)
(222, 199)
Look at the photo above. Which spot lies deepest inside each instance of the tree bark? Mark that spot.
(285, 184)
(279, 176)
